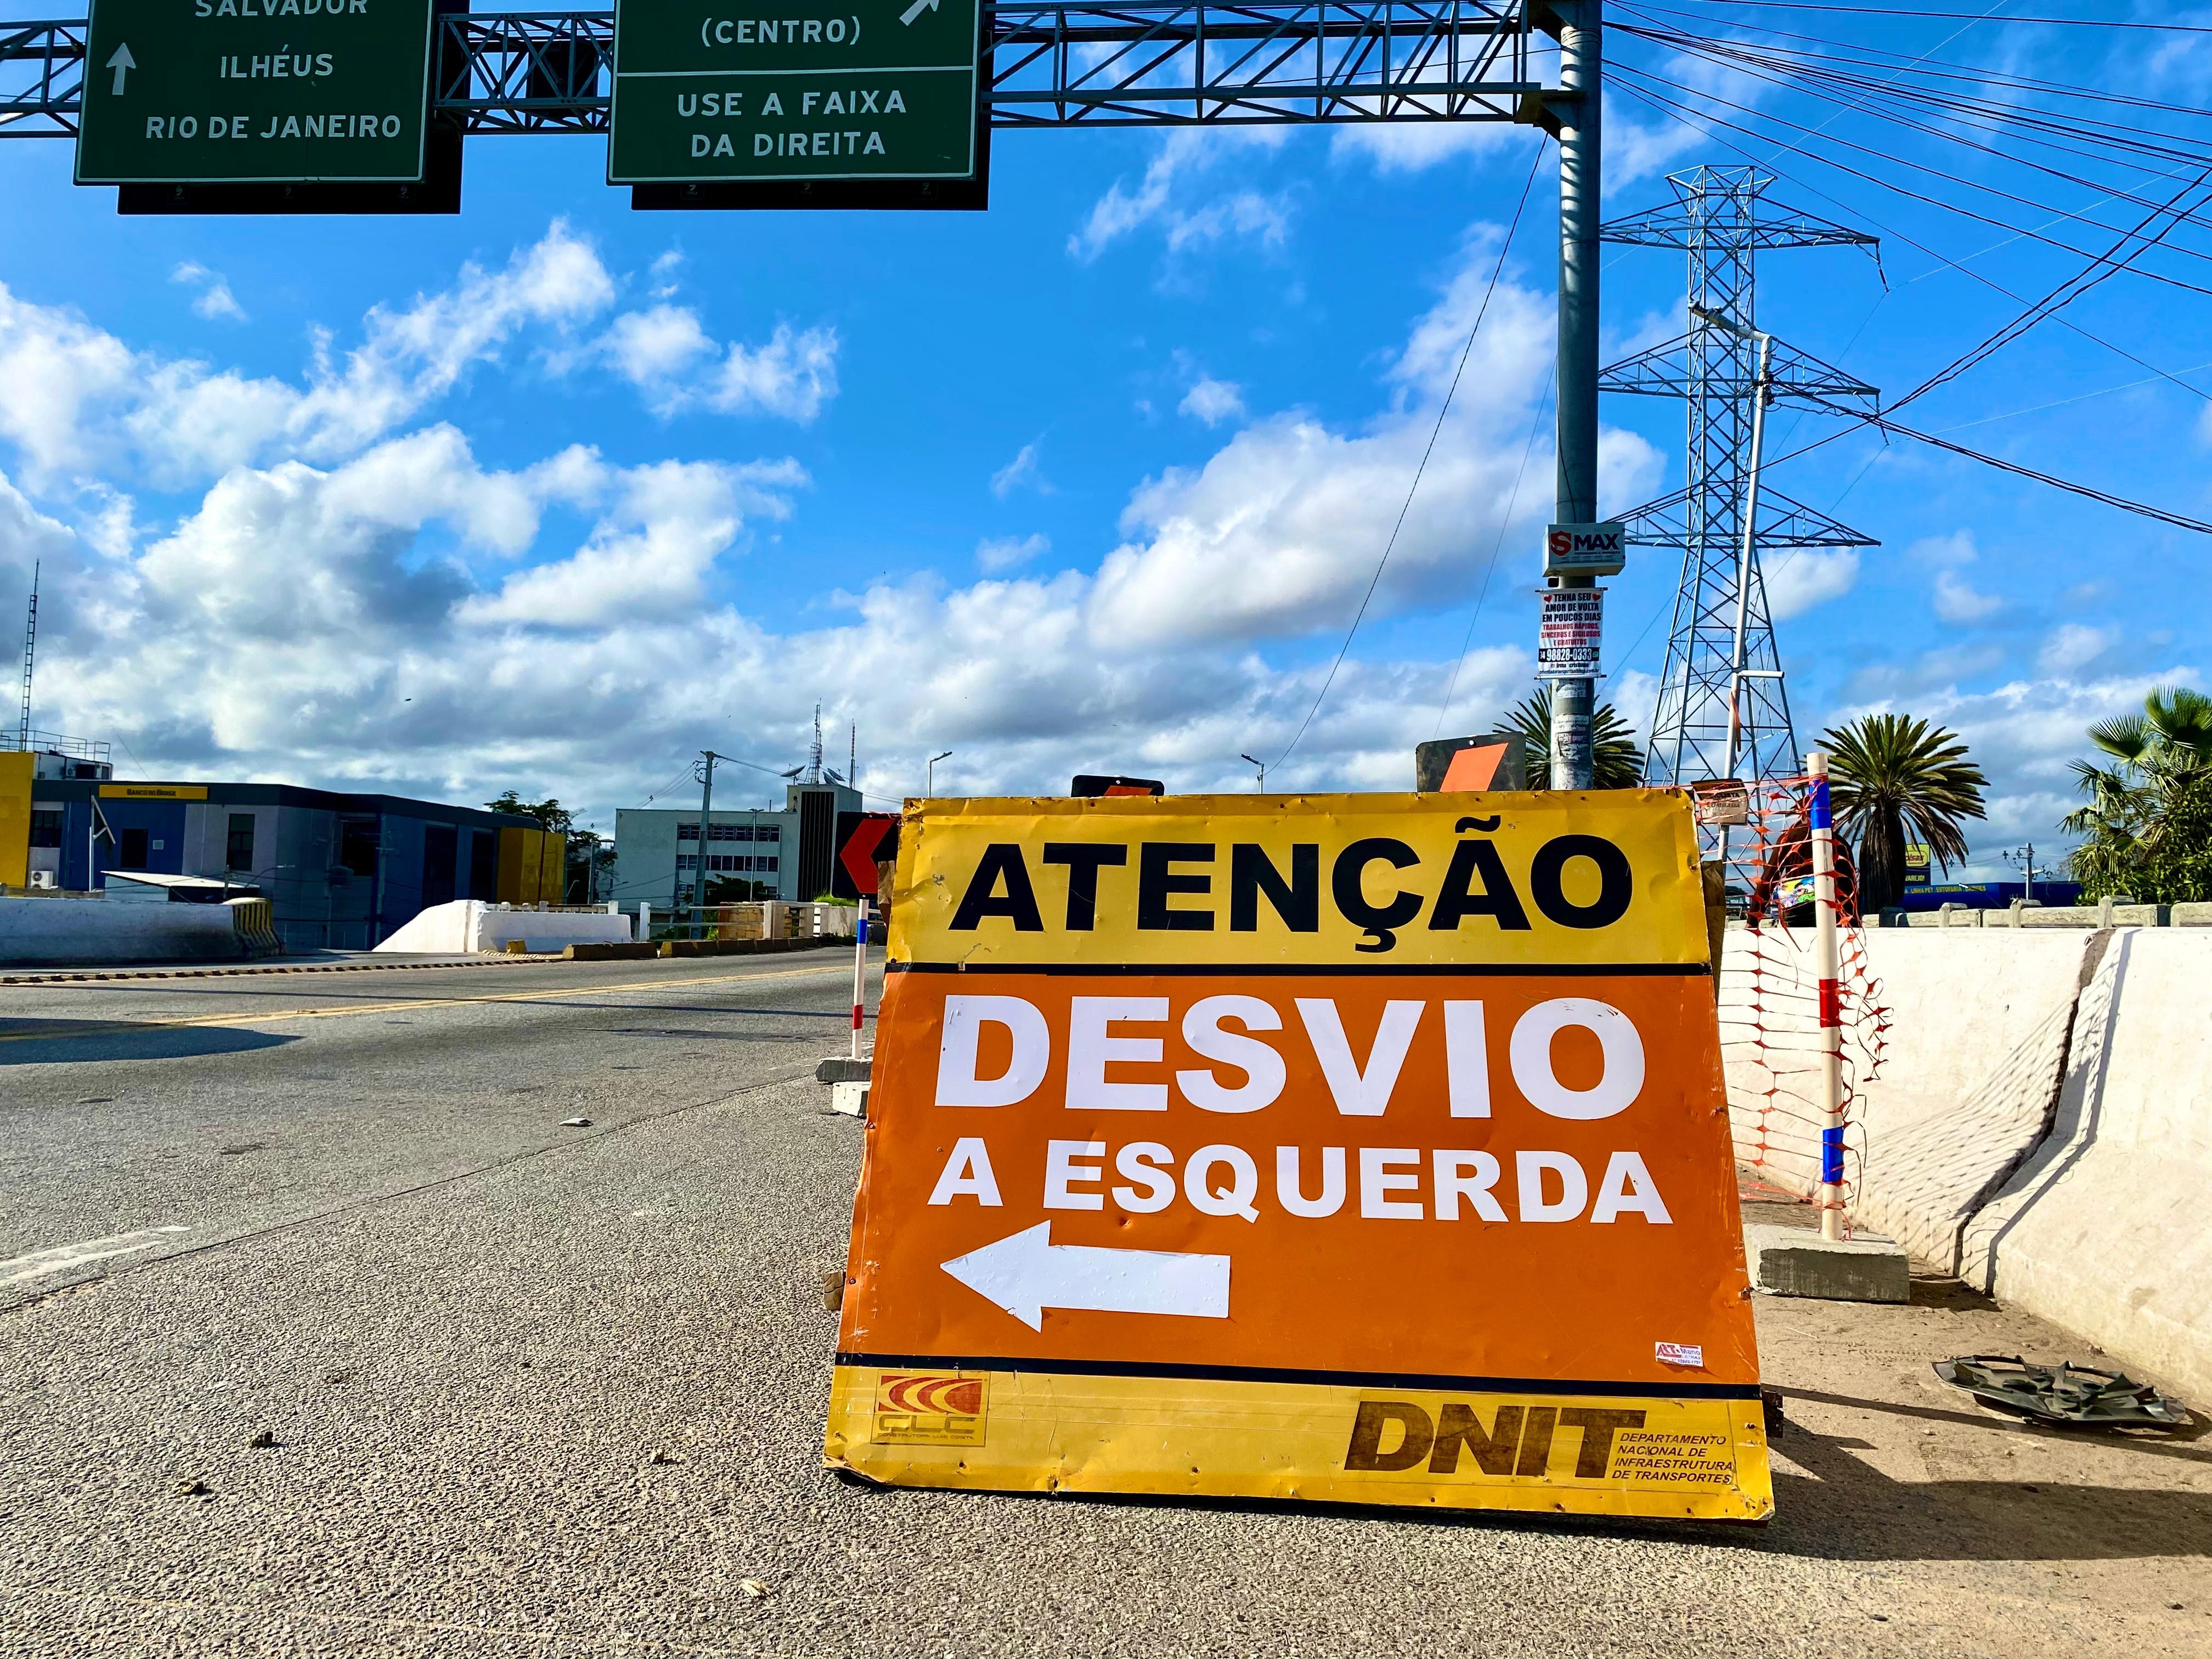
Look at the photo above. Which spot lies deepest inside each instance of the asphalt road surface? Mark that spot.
(538, 1390)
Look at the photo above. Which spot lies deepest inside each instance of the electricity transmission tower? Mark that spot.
(1723, 709)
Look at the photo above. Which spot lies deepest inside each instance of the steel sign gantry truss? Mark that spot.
(1180, 63)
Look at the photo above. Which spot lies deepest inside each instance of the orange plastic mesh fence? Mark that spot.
(1769, 998)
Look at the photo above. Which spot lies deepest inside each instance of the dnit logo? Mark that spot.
(931, 1410)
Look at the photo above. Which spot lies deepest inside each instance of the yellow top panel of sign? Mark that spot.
(1535, 880)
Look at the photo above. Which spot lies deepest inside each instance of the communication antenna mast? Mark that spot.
(30, 651)
(852, 755)
(814, 756)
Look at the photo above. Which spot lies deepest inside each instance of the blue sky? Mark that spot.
(552, 494)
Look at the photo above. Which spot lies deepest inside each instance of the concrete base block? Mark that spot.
(841, 1068)
(1797, 1262)
(850, 1098)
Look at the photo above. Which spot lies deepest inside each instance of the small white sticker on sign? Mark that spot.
(1680, 1353)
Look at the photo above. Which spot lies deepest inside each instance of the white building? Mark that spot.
(787, 853)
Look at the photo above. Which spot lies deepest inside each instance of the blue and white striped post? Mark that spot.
(1829, 966)
(860, 972)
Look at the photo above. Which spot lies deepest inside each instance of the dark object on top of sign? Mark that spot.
(2069, 1396)
(864, 840)
(1452, 765)
(1090, 786)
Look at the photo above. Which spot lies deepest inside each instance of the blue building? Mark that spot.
(342, 871)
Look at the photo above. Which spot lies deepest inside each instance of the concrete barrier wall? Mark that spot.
(60, 930)
(467, 926)
(2104, 1228)
(2042, 1124)
(1964, 1088)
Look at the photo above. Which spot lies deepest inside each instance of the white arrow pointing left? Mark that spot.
(122, 63)
(1027, 1273)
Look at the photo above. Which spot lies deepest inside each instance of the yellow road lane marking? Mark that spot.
(125, 1028)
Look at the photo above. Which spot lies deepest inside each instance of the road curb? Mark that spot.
(501, 961)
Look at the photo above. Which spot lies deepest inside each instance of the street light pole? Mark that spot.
(1579, 110)
(1263, 765)
(929, 784)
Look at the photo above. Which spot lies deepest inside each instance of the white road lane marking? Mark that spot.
(40, 1263)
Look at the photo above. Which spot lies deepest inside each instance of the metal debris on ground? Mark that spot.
(576, 1123)
(2071, 1394)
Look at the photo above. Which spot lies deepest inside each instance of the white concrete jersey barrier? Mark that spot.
(2042, 1125)
(73, 930)
(2103, 1228)
(471, 924)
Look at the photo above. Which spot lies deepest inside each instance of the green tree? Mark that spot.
(548, 813)
(590, 855)
(1891, 775)
(2147, 823)
(1617, 763)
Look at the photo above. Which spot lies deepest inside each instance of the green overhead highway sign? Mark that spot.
(756, 91)
(233, 91)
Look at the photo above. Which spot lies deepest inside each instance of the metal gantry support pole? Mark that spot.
(1829, 966)
(1581, 82)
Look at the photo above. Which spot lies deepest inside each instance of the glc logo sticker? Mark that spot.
(930, 1410)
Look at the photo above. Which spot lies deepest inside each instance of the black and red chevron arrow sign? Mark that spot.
(862, 839)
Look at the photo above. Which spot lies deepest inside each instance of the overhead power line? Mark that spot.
(1669, 110)
(1925, 64)
(1646, 76)
(1972, 17)
(2179, 520)
(1497, 270)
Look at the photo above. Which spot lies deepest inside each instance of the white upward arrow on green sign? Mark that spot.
(122, 63)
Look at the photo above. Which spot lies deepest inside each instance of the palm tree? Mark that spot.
(1893, 773)
(1616, 762)
(2143, 826)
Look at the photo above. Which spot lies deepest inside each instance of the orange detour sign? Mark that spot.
(1347, 1147)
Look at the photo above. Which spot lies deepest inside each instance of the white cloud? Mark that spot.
(1807, 578)
(1956, 549)
(1956, 602)
(666, 352)
(1415, 146)
(215, 298)
(1213, 401)
(75, 399)
(1023, 471)
(649, 556)
(2073, 645)
(1166, 197)
(652, 347)
(2023, 733)
(406, 616)
(1005, 552)
(1280, 531)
